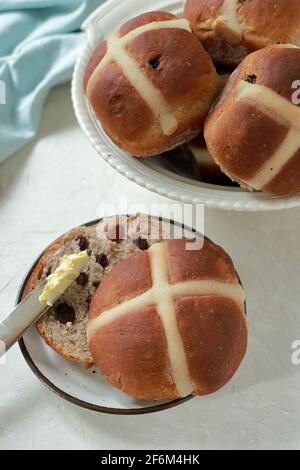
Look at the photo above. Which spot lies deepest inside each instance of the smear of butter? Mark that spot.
(57, 283)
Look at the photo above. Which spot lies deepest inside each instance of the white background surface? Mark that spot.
(58, 182)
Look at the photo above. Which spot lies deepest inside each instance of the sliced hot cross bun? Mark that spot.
(231, 29)
(253, 132)
(169, 322)
(151, 84)
(64, 326)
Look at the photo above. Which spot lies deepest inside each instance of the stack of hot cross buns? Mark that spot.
(153, 86)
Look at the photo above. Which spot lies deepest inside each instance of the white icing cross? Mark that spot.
(229, 18)
(162, 295)
(268, 101)
(117, 53)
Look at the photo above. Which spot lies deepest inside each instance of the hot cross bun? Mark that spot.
(151, 84)
(64, 326)
(169, 322)
(253, 132)
(231, 29)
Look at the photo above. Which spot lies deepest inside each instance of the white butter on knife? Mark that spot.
(68, 270)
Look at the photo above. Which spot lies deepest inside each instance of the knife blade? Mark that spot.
(21, 318)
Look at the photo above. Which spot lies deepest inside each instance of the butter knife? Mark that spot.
(21, 318)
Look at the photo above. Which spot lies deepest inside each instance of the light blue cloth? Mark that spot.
(39, 43)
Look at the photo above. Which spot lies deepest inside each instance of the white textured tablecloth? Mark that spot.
(58, 182)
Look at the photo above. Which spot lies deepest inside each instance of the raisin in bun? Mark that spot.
(151, 84)
(253, 132)
(169, 322)
(64, 326)
(231, 29)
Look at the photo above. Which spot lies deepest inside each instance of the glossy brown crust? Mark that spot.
(145, 18)
(267, 22)
(208, 171)
(263, 22)
(211, 262)
(178, 81)
(288, 180)
(255, 139)
(274, 67)
(116, 102)
(202, 14)
(33, 282)
(242, 136)
(131, 353)
(217, 341)
(185, 75)
(277, 68)
(128, 279)
(134, 23)
(97, 56)
(201, 10)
